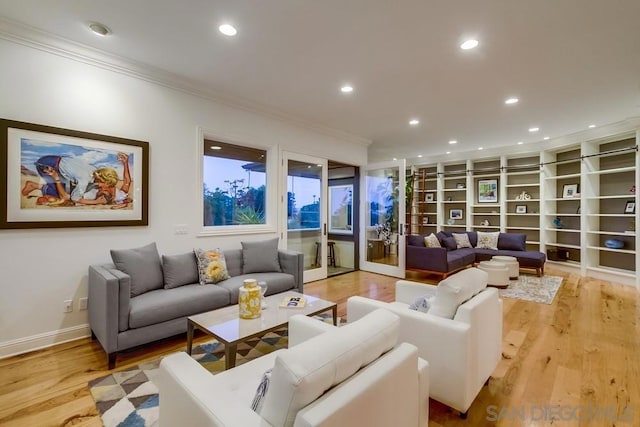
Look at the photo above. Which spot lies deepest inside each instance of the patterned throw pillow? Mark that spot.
(431, 241)
(462, 240)
(212, 267)
(261, 392)
(488, 240)
(421, 304)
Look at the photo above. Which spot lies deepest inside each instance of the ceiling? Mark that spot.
(571, 63)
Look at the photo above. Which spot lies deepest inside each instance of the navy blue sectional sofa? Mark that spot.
(448, 259)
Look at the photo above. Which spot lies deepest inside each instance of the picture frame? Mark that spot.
(56, 178)
(341, 209)
(430, 197)
(455, 213)
(630, 207)
(521, 209)
(569, 191)
(487, 191)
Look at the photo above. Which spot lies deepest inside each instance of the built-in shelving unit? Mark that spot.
(453, 197)
(522, 203)
(485, 207)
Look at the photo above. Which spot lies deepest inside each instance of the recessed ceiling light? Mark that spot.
(510, 101)
(546, 138)
(228, 30)
(394, 159)
(520, 142)
(534, 129)
(99, 29)
(448, 152)
(346, 89)
(453, 141)
(419, 155)
(469, 44)
(414, 122)
(480, 148)
(592, 126)
(216, 147)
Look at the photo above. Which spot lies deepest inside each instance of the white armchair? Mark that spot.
(462, 352)
(353, 375)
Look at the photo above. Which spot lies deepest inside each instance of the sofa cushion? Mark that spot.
(301, 374)
(179, 270)
(462, 240)
(449, 243)
(441, 235)
(487, 240)
(532, 259)
(260, 256)
(458, 259)
(276, 283)
(142, 265)
(457, 289)
(212, 267)
(431, 241)
(166, 304)
(415, 239)
(512, 241)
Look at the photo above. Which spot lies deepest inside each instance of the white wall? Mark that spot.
(42, 267)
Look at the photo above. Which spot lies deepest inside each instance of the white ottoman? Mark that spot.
(497, 271)
(512, 264)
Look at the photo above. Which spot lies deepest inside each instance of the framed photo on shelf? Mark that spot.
(67, 178)
(569, 191)
(521, 209)
(455, 213)
(430, 197)
(487, 191)
(630, 207)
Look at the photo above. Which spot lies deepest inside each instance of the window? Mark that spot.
(304, 186)
(234, 185)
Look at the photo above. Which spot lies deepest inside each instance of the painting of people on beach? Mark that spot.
(58, 178)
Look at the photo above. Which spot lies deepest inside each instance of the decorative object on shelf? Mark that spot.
(485, 223)
(430, 197)
(557, 223)
(630, 207)
(632, 190)
(523, 196)
(384, 232)
(614, 243)
(578, 210)
(451, 221)
(460, 186)
(558, 254)
(455, 213)
(569, 191)
(425, 220)
(521, 209)
(449, 199)
(487, 191)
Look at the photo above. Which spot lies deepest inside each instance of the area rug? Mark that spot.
(129, 398)
(533, 288)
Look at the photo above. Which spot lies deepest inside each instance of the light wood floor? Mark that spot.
(581, 350)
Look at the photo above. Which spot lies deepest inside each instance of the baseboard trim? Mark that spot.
(44, 340)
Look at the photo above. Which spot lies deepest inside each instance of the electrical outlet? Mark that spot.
(82, 303)
(68, 305)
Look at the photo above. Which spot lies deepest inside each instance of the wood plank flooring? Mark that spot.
(581, 350)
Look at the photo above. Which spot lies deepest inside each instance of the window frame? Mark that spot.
(271, 193)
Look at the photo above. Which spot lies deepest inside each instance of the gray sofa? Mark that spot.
(154, 300)
(449, 259)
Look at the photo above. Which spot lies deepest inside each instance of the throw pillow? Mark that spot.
(488, 240)
(421, 304)
(431, 241)
(260, 256)
(212, 267)
(462, 240)
(179, 270)
(142, 265)
(261, 392)
(512, 241)
(450, 243)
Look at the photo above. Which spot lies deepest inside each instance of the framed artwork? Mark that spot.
(56, 177)
(630, 207)
(487, 191)
(455, 213)
(341, 209)
(569, 191)
(430, 197)
(521, 209)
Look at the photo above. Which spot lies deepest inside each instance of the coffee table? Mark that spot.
(225, 325)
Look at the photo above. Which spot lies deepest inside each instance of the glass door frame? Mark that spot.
(374, 267)
(320, 272)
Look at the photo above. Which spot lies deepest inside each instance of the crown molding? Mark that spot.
(19, 33)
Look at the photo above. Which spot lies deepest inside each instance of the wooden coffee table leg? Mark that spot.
(230, 355)
(189, 337)
(334, 310)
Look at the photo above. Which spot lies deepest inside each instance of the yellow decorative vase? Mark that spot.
(249, 300)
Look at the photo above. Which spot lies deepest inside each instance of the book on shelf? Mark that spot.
(293, 302)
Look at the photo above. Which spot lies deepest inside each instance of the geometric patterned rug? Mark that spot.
(533, 288)
(129, 398)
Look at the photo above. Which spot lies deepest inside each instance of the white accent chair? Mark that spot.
(462, 351)
(357, 374)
